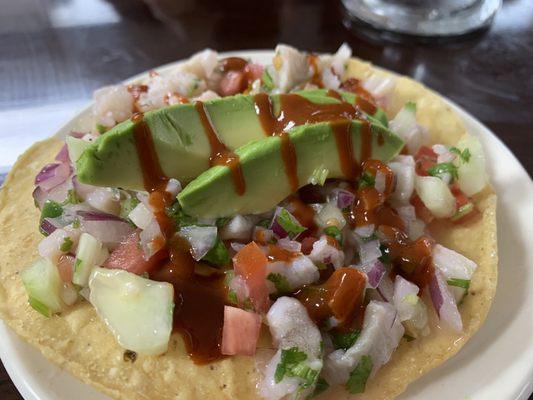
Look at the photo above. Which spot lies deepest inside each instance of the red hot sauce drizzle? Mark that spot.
(220, 154)
(297, 110)
(194, 296)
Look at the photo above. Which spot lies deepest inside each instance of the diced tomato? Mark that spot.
(232, 83)
(307, 244)
(462, 200)
(253, 71)
(425, 158)
(421, 210)
(65, 266)
(250, 263)
(129, 256)
(240, 332)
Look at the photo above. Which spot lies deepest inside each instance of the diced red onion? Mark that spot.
(364, 231)
(278, 230)
(173, 187)
(141, 216)
(386, 288)
(343, 198)
(325, 253)
(402, 289)
(200, 238)
(82, 190)
(77, 135)
(52, 175)
(50, 246)
(236, 246)
(238, 228)
(444, 302)
(374, 271)
(48, 225)
(62, 156)
(98, 216)
(151, 239)
(290, 245)
(109, 231)
(105, 199)
(369, 251)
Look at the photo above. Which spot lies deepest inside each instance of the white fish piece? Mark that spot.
(299, 271)
(325, 253)
(453, 265)
(291, 68)
(112, 104)
(238, 228)
(290, 326)
(381, 334)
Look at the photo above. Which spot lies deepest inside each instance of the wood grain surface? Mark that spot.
(55, 52)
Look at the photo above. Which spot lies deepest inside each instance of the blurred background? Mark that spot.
(54, 53)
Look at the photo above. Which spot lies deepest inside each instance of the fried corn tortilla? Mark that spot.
(78, 341)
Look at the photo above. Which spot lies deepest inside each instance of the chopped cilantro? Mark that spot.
(51, 209)
(462, 283)
(178, 215)
(77, 264)
(366, 180)
(66, 245)
(463, 155)
(72, 197)
(289, 224)
(221, 222)
(40, 307)
(265, 223)
(439, 169)
(334, 232)
(462, 211)
(76, 223)
(321, 387)
(266, 80)
(101, 128)
(319, 176)
(232, 297)
(280, 282)
(248, 306)
(357, 381)
(127, 206)
(218, 255)
(344, 340)
(292, 364)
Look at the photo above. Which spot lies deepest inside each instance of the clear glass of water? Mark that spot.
(424, 17)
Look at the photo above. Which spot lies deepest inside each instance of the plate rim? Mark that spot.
(26, 383)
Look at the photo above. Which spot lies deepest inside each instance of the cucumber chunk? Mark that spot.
(87, 256)
(137, 310)
(43, 285)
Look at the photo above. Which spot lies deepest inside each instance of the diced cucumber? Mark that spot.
(137, 310)
(87, 256)
(75, 147)
(43, 285)
(472, 172)
(436, 196)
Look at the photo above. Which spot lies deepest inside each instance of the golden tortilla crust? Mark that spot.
(80, 343)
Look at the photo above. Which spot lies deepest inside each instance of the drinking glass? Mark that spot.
(424, 17)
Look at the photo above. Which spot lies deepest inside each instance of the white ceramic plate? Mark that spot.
(496, 364)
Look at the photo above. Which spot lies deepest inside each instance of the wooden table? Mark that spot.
(53, 53)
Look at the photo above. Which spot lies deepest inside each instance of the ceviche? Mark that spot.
(225, 200)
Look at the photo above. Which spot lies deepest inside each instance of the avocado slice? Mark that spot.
(181, 145)
(213, 195)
